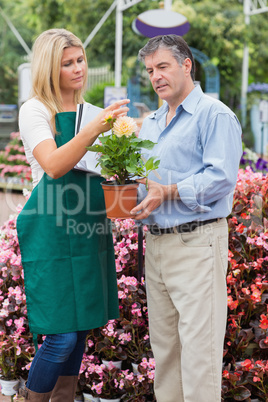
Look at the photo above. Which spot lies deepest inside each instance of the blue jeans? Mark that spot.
(59, 355)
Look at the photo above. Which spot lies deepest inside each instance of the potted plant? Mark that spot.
(8, 359)
(121, 160)
(89, 374)
(13, 358)
(139, 387)
(109, 344)
(103, 382)
(134, 319)
(111, 387)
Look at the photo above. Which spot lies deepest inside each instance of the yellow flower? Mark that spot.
(124, 125)
(109, 118)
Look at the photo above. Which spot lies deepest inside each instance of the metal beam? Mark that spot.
(118, 45)
(121, 6)
(257, 6)
(167, 5)
(16, 33)
(100, 23)
(125, 4)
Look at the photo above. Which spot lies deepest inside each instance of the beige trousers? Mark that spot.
(187, 304)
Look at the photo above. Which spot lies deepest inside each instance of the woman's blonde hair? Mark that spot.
(46, 63)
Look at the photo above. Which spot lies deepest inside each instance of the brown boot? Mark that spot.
(34, 396)
(65, 389)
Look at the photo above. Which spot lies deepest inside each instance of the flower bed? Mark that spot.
(14, 167)
(245, 367)
(16, 346)
(245, 371)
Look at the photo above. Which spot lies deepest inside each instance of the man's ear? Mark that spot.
(187, 64)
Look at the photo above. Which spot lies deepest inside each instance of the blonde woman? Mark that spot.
(64, 235)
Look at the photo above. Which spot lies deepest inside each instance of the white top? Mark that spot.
(35, 127)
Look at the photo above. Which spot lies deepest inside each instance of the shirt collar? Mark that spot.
(159, 112)
(189, 104)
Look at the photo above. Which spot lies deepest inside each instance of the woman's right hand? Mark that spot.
(115, 110)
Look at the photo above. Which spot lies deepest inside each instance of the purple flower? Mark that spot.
(258, 87)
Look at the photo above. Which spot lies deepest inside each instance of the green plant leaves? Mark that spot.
(121, 157)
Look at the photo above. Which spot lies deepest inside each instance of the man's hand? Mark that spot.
(157, 193)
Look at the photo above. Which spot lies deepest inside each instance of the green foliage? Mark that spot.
(82, 19)
(96, 94)
(218, 29)
(12, 54)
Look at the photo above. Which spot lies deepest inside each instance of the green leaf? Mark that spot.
(94, 148)
(147, 144)
(152, 163)
(241, 393)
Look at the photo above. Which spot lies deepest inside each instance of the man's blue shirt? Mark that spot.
(200, 151)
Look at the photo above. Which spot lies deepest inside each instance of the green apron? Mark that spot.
(67, 250)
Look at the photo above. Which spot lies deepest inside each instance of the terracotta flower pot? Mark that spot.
(119, 198)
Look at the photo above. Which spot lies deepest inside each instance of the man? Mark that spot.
(198, 141)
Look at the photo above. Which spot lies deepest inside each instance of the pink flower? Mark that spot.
(97, 387)
(140, 377)
(125, 337)
(250, 240)
(136, 311)
(246, 291)
(129, 376)
(121, 295)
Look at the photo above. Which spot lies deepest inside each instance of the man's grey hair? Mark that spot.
(176, 44)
